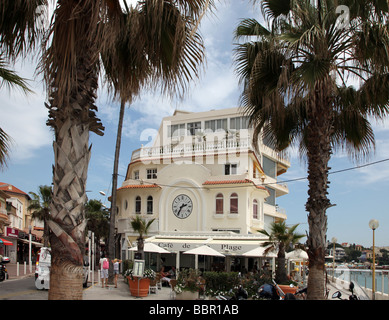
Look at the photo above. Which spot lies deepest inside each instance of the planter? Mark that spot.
(287, 289)
(187, 295)
(139, 289)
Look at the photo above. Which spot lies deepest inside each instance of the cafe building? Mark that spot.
(204, 183)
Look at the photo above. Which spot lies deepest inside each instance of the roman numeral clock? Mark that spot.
(182, 206)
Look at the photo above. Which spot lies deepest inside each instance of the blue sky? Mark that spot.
(359, 195)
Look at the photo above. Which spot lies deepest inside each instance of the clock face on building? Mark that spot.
(182, 206)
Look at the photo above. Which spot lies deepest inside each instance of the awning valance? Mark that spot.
(226, 245)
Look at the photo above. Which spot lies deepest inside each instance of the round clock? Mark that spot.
(182, 206)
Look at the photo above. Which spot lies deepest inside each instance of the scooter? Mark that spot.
(338, 294)
(3, 269)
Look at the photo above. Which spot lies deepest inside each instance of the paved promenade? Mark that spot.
(122, 292)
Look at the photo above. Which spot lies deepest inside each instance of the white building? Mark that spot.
(203, 181)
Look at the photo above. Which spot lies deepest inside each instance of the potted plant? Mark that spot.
(139, 287)
(189, 285)
(141, 226)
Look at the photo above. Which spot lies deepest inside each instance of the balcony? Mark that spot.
(204, 148)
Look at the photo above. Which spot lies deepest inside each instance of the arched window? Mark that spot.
(149, 205)
(219, 203)
(255, 209)
(234, 203)
(138, 205)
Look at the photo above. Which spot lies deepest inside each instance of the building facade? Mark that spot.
(201, 179)
(16, 224)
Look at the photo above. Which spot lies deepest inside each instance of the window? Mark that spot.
(176, 130)
(138, 204)
(194, 128)
(136, 175)
(255, 209)
(149, 205)
(272, 198)
(151, 173)
(269, 167)
(216, 125)
(239, 123)
(219, 203)
(234, 203)
(230, 169)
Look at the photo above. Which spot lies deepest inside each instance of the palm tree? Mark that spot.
(40, 204)
(281, 238)
(295, 91)
(141, 226)
(98, 221)
(168, 59)
(79, 33)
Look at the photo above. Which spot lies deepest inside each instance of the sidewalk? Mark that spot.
(24, 271)
(122, 292)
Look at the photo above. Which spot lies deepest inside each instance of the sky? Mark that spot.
(360, 194)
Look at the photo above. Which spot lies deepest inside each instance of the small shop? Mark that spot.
(19, 250)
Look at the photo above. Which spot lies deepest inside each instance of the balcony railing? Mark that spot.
(226, 146)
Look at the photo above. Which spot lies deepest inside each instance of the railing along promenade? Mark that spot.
(363, 277)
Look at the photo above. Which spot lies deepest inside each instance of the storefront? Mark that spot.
(19, 250)
(232, 246)
(11, 235)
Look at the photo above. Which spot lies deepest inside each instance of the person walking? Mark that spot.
(116, 264)
(104, 266)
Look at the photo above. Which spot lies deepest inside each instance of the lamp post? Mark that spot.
(29, 248)
(333, 240)
(373, 224)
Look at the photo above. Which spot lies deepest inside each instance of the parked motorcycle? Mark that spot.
(3, 269)
(353, 296)
(274, 292)
(240, 294)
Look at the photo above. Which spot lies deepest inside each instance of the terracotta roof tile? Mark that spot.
(139, 186)
(10, 188)
(233, 182)
(227, 181)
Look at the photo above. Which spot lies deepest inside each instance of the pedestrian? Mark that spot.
(104, 266)
(116, 264)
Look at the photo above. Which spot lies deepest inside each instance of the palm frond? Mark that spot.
(5, 145)
(19, 28)
(10, 78)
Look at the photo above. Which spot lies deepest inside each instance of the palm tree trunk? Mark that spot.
(73, 81)
(111, 236)
(68, 224)
(318, 154)
(46, 233)
(141, 245)
(281, 276)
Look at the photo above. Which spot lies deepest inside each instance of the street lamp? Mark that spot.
(29, 248)
(373, 224)
(333, 240)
